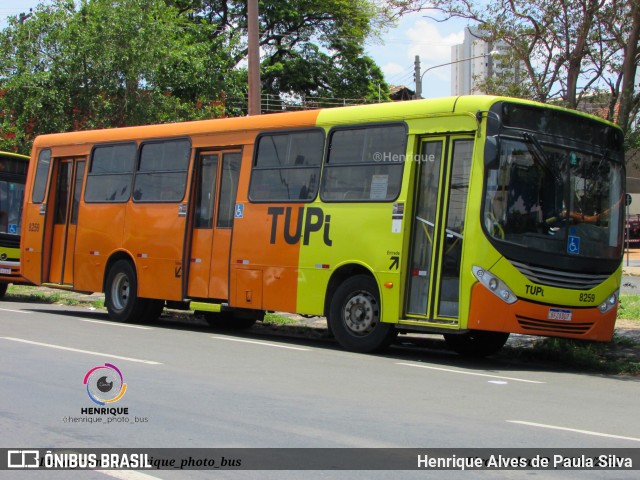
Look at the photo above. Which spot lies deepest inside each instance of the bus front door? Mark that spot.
(438, 229)
(214, 199)
(67, 179)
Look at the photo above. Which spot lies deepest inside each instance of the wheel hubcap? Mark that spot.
(361, 314)
(120, 291)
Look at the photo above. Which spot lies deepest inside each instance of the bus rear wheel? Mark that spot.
(476, 343)
(3, 289)
(355, 317)
(121, 294)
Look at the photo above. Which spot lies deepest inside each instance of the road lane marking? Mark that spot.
(88, 352)
(585, 432)
(266, 344)
(114, 324)
(451, 370)
(15, 311)
(128, 475)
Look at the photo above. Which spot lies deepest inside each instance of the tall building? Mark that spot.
(465, 75)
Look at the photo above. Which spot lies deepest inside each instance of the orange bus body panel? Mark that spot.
(133, 228)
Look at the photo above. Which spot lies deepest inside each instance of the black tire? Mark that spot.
(153, 311)
(354, 316)
(227, 321)
(3, 289)
(121, 294)
(476, 343)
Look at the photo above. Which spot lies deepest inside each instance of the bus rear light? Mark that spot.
(494, 285)
(609, 303)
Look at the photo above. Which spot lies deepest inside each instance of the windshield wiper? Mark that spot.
(541, 157)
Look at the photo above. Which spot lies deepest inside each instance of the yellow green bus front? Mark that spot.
(447, 286)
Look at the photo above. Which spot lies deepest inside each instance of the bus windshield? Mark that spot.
(555, 199)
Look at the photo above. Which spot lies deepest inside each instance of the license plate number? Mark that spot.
(559, 314)
(5, 271)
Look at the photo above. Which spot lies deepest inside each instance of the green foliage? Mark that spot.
(275, 319)
(629, 307)
(312, 50)
(595, 356)
(112, 63)
(105, 64)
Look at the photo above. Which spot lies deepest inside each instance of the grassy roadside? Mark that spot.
(621, 356)
(630, 308)
(27, 294)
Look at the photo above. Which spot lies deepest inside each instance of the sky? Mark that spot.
(414, 35)
(394, 53)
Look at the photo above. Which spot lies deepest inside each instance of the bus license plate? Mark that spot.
(5, 271)
(559, 314)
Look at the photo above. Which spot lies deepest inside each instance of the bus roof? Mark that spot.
(14, 155)
(306, 118)
(390, 111)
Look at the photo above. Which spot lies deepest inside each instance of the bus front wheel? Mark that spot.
(354, 316)
(3, 289)
(121, 294)
(476, 343)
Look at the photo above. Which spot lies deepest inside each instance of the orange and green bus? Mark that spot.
(473, 217)
(13, 173)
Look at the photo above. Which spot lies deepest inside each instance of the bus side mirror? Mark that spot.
(491, 153)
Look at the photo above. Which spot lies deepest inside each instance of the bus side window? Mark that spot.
(110, 172)
(287, 166)
(364, 163)
(162, 171)
(42, 174)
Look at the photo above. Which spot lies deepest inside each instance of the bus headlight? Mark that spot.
(610, 302)
(494, 285)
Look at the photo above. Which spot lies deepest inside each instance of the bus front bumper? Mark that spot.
(488, 312)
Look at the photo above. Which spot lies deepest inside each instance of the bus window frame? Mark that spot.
(89, 166)
(361, 126)
(136, 169)
(287, 131)
(46, 178)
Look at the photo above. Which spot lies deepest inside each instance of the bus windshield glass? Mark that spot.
(555, 198)
(12, 177)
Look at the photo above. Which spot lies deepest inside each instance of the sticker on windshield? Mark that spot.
(573, 243)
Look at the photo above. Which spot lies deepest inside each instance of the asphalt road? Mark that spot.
(192, 387)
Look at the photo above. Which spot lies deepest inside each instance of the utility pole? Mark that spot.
(417, 77)
(254, 57)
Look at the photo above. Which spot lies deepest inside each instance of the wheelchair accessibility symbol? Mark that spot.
(239, 213)
(573, 245)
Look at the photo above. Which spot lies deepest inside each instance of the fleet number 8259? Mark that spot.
(587, 297)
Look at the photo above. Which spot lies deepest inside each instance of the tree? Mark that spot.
(108, 63)
(310, 48)
(571, 50)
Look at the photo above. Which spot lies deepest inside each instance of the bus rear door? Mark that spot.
(214, 199)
